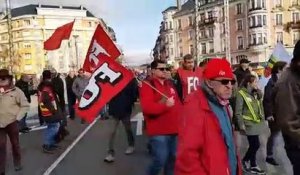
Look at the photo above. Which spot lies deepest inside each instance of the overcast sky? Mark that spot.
(136, 22)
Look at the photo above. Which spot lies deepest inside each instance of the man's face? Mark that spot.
(222, 87)
(189, 64)
(71, 73)
(4, 81)
(26, 78)
(160, 71)
(245, 66)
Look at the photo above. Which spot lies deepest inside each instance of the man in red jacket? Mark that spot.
(161, 115)
(206, 143)
(188, 77)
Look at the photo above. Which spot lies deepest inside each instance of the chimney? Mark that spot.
(179, 4)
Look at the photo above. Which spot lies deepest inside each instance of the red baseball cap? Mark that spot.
(218, 68)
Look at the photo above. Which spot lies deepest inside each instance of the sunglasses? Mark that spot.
(163, 69)
(226, 82)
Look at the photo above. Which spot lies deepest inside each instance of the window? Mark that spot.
(27, 67)
(224, 45)
(279, 37)
(254, 39)
(180, 52)
(190, 34)
(211, 47)
(191, 49)
(259, 22)
(211, 32)
(239, 9)
(203, 48)
(253, 21)
(264, 20)
(166, 39)
(252, 4)
(264, 4)
(179, 37)
(166, 25)
(202, 34)
(296, 37)
(265, 38)
(202, 17)
(90, 24)
(171, 51)
(26, 22)
(179, 23)
(190, 21)
(171, 38)
(278, 3)
(239, 25)
(27, 56)
(27, 45)
(210, 15)
(258, 5)
(295, 17)
(224, 28)
(240, 42)
(171, 25)
(278, 19)
(295, 2)
(259, 38)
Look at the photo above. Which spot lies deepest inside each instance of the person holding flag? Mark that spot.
(160, 105)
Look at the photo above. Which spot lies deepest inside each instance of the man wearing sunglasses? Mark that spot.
(160, 104)
(188, 77)
(205, 138)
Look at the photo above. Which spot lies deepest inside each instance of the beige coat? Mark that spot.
(13, 106)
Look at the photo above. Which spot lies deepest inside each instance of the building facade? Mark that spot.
(256, 26)
(34, 24)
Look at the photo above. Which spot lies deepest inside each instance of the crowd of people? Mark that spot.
(191, 116)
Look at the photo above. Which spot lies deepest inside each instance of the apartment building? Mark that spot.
(256, 26)
(34, 24)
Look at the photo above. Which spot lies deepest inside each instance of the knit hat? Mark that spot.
(46, 74)
(218, 68)
(296, 52)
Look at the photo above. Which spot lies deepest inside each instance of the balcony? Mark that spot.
(257, 9)
(207, 21)
(278, 8)
(240, 47)
(257, 46)
(256, 26)
(292, 26)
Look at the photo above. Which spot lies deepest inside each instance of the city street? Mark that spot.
(86, 157)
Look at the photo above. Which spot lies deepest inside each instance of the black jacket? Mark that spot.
(57, 114)
(24, 86)
(121, 105)
(241, 74)
(69, 83)
(58, 86)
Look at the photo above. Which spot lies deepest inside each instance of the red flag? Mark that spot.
(101, 46)
(106, 82)
(61, 33)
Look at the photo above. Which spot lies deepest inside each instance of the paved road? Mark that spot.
(86, 157)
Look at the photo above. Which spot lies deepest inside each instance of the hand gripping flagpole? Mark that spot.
(164, 95)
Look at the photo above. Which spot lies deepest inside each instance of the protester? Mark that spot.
(206, 142)
(242, 70)
(287, 107)
(120, 107)
(188, 77)
(203, 63)
(250, 115)
(51, 111)
(161, 115)
(268, 103)
(23, 84)
(13, 107)
(71, 95)
(79, 84)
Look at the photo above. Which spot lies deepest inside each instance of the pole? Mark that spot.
(10, 41)
(227, 30)
(197, 50)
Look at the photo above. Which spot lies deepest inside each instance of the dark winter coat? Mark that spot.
(24, 86)
(69, 83)
(268, 102)
(241, 74)
(121, 105)
(58, 86)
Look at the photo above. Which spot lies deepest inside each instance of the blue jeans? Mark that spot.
(22, 123)
(50, 133)
(163, 153)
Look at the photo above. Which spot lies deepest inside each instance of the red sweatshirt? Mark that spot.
(160, 119)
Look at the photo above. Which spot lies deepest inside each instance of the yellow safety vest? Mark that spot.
(254, 117)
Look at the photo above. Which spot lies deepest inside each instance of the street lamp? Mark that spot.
(76, 51)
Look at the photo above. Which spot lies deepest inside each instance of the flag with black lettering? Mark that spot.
(101, 46)
(106, 82)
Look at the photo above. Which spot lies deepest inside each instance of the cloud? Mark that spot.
(137, 57)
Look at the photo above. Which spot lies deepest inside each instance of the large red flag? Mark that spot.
(61, 33)
(106, 82)
(101, 46)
